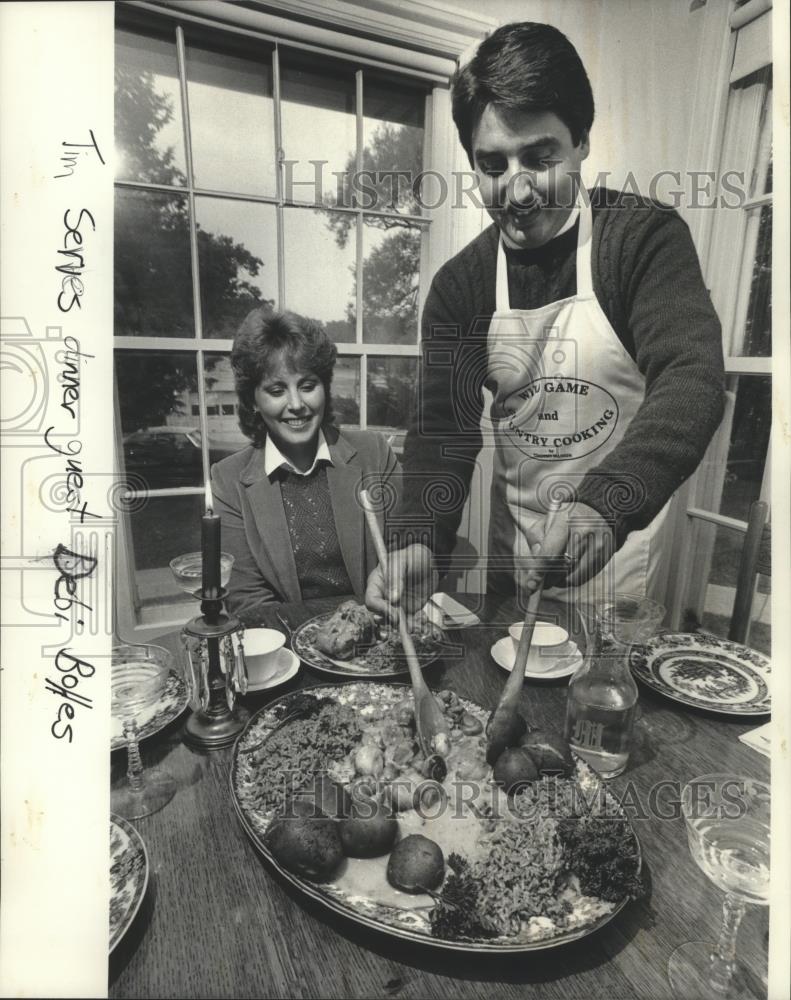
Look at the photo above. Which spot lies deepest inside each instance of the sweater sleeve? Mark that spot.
(444, 436)
(678, 349)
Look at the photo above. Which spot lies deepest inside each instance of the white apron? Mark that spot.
(564, 390)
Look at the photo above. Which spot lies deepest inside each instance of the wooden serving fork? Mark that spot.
(506, 725)
(430, 723)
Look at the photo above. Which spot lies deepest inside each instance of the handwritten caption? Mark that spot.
(73, 567)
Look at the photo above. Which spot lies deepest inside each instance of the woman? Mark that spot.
(289, 507)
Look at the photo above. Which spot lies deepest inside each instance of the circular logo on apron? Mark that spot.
(555, 418)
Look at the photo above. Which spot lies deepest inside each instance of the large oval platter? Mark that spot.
(706, 672)
(370, 901)
(381, 660)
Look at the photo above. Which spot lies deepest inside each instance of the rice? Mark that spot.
(290, 757)
(522, 876)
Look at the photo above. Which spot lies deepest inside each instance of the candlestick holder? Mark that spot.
(217, 674)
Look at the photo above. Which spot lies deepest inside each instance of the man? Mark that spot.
(578, 326)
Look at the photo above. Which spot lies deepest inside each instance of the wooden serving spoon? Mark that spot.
(430, 723)
(506, 725)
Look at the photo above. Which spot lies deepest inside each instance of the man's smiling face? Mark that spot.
(528, 170)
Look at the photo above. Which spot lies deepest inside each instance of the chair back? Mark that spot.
(756, 558)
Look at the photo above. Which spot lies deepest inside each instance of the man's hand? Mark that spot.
(583, 535)
(411, 579)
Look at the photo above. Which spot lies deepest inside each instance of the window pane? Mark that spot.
(711, 608)
(346, 392)
(319, 263)
(222, 415)
(149, 132)
(237, 250)
(161, 437)
(750, 424)
(153, 277)
(758, 324)
(232, 121)
(317, 123)
(762, 176)
(393, 134)
(391, 394)
(746, 148)
(391, 274)
(163, 528)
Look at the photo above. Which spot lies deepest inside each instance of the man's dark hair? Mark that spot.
(263, 336)
(528, 67)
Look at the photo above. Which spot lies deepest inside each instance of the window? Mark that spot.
(252, 171)
(739, 269)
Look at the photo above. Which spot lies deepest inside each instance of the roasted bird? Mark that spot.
(351, 625)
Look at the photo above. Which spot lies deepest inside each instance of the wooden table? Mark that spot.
(217, 922)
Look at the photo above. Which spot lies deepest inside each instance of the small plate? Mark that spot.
(384, 659)
(288, 666)
(169, 706)
(706, 672)
(567, 662)
(128, 876)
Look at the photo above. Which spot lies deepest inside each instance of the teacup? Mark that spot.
(547, 644)
(262, 648)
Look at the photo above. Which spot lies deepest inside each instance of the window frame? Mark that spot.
(133, 617)
(697, 519)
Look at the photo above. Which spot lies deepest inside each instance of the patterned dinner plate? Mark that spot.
(169, 706)
(128, 876)
(382, 659)
(706, 672)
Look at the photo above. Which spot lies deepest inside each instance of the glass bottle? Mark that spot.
(602, 695)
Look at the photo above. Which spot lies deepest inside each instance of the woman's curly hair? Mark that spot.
(262, 337)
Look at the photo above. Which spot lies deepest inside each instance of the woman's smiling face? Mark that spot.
(528, 170)
(292, 406)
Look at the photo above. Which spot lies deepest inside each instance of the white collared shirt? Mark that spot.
(274, 459)
(563, 229)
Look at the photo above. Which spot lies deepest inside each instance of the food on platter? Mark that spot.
(533, 850)
(328, 797)
(514, 768)
(368, 759)
(416, 864)
(351, 625)
(369, 831)
(306, 845)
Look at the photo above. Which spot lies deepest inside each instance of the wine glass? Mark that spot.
(727, 820)
(627, 619)
(139, 677)
(188, 571)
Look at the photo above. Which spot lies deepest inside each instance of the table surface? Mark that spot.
(216, 921)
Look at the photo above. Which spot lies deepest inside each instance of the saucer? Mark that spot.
(568, 661)
(288, 666)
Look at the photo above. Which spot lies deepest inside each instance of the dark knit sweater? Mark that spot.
(647, 279)
(314, 538)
